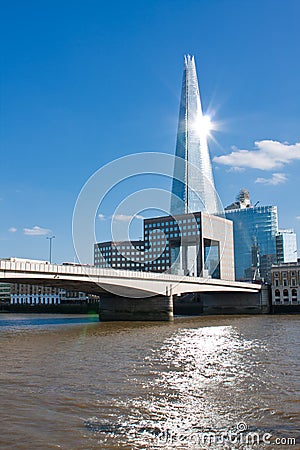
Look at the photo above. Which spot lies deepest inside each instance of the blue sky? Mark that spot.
(85, 82)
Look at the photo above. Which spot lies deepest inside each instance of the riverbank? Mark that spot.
(86, 308)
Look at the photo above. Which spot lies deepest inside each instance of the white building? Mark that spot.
(29, 294)
(286, 246)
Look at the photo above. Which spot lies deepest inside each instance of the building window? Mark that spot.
(285, 295)
(294, 295)
(277, 293)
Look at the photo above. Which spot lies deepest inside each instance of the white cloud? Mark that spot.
(298, 217)
(277, 178)
(12, 230)
(236, 169)
(36, 231)
(126, 217)
(267, 155)
(120, 217)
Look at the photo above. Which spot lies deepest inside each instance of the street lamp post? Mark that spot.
(50, 247)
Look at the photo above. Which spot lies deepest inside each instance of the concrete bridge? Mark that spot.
(131, 295)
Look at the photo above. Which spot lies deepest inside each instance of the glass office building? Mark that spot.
(193, 186)
(254, 232)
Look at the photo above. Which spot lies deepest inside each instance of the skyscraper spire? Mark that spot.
(193, 182)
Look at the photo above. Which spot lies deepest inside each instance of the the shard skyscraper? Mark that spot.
(193, 186)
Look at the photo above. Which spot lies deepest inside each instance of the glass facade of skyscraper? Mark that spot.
(193, 186)
(254, 228)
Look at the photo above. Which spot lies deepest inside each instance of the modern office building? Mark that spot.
(254, 230)
(286, 284)
(286, 246)
(120, 255)
(196, 244)
(258, 244)
(193, 186)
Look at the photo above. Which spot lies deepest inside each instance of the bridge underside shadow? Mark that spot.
(215, 303)
(163, 308)
(157, 308)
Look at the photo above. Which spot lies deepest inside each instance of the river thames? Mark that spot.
(203, 382)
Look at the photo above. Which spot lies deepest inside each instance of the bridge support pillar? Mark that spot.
(236, 302)
(158, 308)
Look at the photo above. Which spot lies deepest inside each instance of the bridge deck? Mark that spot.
(119, 282)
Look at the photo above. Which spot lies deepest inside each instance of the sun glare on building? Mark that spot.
(205, 125)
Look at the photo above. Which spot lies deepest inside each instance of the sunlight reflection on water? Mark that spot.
(197, 385)
(142, 385)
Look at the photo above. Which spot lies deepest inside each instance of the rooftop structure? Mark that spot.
(242, 200)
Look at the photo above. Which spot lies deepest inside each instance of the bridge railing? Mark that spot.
(86, 271)
(29, 266)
